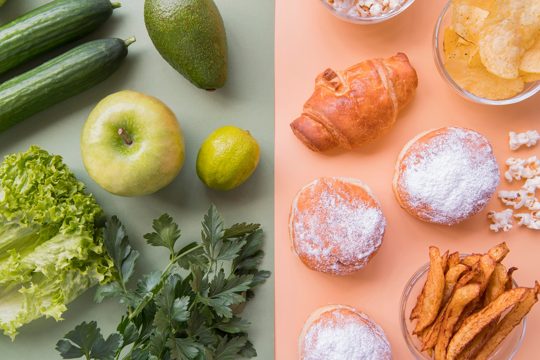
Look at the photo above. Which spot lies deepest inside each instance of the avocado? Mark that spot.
(190, 35)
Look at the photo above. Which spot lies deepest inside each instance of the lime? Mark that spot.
(227, 158)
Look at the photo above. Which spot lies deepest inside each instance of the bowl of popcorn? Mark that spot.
(366, 11)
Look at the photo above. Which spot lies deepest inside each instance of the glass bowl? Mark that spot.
(443, 22)
(506, 351)
(368, 20)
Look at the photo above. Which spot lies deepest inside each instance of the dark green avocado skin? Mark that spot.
(190, 36)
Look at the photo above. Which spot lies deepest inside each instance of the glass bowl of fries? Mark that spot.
(459, 63)
(506, 350)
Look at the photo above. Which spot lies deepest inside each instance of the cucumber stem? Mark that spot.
(130, 40)
(125, 136)
(116, 4)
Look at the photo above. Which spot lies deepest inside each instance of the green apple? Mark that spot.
(132, 144)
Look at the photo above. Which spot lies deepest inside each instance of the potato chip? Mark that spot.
(468, 21)
(530, 62)
(526, 13)
(480, 82)
(475, 60)
(483, 4)
(456, 48)
(500, 49)
(529, 78)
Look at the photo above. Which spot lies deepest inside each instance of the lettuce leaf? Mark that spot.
(51, 246)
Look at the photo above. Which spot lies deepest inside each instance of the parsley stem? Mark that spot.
(164, 275)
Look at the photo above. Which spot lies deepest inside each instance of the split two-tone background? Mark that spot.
(278, 47)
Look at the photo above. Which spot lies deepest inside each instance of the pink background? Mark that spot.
(308, 40)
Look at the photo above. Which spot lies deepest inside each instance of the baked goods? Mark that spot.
(341, 332)
(492, 48)
(481, 310)
(349, 108)
(336, 225)
(445, 176)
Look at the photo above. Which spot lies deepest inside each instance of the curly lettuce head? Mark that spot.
(51, 249)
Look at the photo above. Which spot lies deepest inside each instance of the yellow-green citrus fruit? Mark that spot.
(227, 158)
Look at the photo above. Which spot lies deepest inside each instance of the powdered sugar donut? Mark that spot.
(445, 176)
(341, 332)
(336, 225)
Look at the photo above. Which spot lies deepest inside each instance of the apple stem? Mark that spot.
(125, 136)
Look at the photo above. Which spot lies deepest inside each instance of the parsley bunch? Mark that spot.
(191, 309)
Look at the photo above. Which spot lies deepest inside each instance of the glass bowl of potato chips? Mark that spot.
(489, 51)
(507, 349)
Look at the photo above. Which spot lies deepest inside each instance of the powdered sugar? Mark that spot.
(345, 336)
(451, 176)
(339, 230)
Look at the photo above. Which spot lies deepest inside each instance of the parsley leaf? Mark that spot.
(212, 233)
(234, 325)
(86, 340)
(229, 349)
(166, 233)
(188, 311)
(240, 230)
(183, 349)
(120, 251)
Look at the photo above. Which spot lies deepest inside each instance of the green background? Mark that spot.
(246, 101)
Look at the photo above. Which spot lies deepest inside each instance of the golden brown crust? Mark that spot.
(352, 107)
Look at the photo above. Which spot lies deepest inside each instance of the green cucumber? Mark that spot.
(48, 27)
(59, 79)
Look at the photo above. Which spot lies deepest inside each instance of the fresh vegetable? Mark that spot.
(190, 36)
(174, 314)
(51, 249)
(132, 144)
(59, 79)
(227, 158)
(49, 26)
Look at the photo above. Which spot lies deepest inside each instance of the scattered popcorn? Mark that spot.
(501, 220)
(532, 184)
(522, 168)
(530, 220)
(516, 199)
(524, 198)
(527, 138)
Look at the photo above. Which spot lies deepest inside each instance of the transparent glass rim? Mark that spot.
(368, 20)
(403, 321)
(437, 53)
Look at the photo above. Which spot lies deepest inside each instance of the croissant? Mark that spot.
(349, 108)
